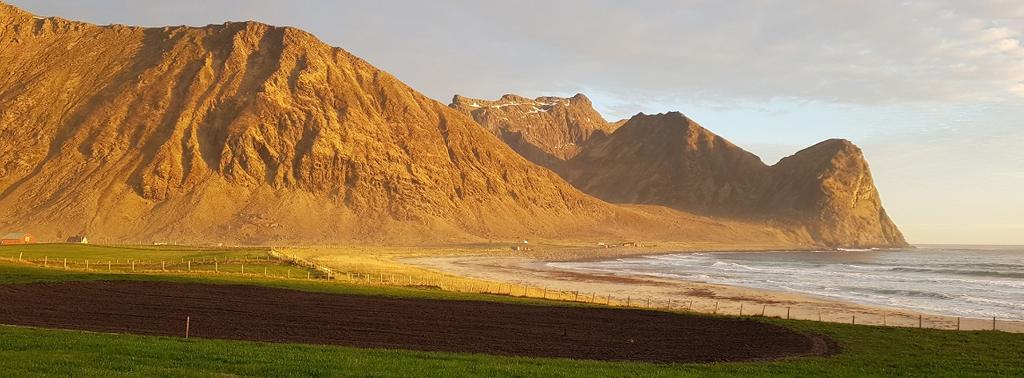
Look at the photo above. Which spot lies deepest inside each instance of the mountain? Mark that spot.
(828, 188)
(669, 160)
(254, 134)
(545, 130)
(249, 133)
(824, 193)
(246, 132)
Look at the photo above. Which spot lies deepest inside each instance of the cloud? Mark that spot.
(715, 52)
(880, 53)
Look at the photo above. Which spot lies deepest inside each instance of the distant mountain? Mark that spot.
(669, 160)
(828, 189)
(824, 193)
(545, 130)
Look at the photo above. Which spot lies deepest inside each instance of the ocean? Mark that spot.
(968, 281)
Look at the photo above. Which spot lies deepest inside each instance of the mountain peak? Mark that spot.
(545, 129)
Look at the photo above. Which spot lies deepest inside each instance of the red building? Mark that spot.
(16, 238)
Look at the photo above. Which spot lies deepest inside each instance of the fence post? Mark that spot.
(545, 293)
(670, 303)
(188, 319)
(648, 302)
(577, 298)
(627, 301)
(19, 256)
(853, 320)
(216, 268)
(884, 322)
(45, 260)
(957, 323)
(741, 309)
(86, 264)
(243, 267)
(689, 306)
(163, 265)
(920, 321)
(716, 308)
(787, 312)
(108, 266)
(609, 301)
(133, 266)
(65, 263)
(190, 266)
(993, 323)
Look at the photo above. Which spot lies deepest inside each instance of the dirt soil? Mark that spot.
(278, 315)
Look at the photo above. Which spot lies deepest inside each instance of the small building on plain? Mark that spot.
(78, 239)
(13, 238)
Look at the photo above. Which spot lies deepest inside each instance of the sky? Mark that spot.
(932, 91)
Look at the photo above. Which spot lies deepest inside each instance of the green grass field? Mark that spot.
(154, 258)
(868, 351)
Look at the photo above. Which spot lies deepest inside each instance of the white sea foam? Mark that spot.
(979, 282)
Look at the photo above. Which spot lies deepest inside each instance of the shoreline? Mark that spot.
(678, 294)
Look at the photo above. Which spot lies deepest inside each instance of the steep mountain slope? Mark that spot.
(245, 132)
(545, 130)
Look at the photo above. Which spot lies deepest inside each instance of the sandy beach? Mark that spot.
(646, 291)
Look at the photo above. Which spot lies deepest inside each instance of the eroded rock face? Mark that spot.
(185, 134)
(545, 130)
(828, 188)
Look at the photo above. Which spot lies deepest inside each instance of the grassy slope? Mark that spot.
(868, 350)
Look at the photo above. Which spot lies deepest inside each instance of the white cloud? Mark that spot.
(717, 52)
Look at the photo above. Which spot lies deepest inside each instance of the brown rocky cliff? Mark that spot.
(828, 188)
(545, 130)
